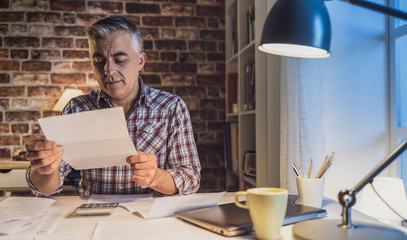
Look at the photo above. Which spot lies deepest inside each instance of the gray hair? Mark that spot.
(106, 26)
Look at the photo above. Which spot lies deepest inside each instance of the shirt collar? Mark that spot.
(103, 100)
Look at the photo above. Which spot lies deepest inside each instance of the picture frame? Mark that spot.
(249, 163)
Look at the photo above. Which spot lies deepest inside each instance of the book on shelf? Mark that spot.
(231, 92)
(250, 24)
(250, 98)
(231, 144)
(234, 142)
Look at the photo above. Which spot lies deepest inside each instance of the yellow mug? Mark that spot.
(267, 208)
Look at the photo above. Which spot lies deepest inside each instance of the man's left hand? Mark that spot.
(144, 168)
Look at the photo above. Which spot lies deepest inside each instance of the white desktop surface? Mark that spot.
(74, 226)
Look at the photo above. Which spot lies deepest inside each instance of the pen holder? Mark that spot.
(311, 191)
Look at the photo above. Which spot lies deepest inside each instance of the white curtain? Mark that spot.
(302, 105)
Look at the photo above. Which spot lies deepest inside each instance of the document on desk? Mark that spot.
(167, 206)
(92, 139)
(17, 214)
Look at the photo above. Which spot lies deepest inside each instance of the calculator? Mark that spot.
(97, 208)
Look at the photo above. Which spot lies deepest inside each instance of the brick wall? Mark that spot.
(43, 50)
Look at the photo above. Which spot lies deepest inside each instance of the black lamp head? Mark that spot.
(297, 28)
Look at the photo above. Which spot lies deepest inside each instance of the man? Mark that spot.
(158, 122)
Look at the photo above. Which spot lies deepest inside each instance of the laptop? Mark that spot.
(230, 220)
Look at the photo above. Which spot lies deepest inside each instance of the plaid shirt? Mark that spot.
(158, 123)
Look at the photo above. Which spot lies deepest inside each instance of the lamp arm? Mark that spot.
(379, 8)
(347, 198)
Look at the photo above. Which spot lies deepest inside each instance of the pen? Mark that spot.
(310, 167)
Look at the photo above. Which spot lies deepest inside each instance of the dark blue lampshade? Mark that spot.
(297, 28)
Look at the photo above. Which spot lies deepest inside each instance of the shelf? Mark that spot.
(250, 180)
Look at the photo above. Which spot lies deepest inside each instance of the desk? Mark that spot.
(74, 226)
(12, 176)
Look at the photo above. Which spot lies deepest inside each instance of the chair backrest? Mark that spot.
(392, 191)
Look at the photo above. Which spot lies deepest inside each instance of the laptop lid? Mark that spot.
(230, 220)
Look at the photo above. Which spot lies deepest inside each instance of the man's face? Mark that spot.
(117, 62)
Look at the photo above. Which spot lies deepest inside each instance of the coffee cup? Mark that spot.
(267, 208)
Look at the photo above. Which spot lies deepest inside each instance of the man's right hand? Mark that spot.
(44, 156)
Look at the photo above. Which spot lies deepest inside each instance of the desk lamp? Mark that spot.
(67, 95)
(302, 28)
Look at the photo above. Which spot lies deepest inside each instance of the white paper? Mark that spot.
(108, 198)
(167, 206)
(23, 214)
(92, 139)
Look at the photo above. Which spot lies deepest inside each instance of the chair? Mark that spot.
(393, 192)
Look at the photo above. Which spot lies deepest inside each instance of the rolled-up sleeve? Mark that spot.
(183, 161)
(64, 170)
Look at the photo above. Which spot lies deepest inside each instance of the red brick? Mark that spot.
(73, 78)
(158, 21)
(82, 43)
(4, 54)
(202, 46)
(4, 105)
(168, 33)
(69, 18)
(36, 66)
(12, 91)
(70, 31)
(41, 30)
(183, 67)
(22, 116)
(14, 17)
(170, 45)
(142, 8)
(67, 6)
(149, 33)
(57, 42)
(212, 35)
(75, 54)
(206, 68)
(197, 92)
(178, 10)
(82, 66)
(187, 34)
(9, 140)
(156, 67)
(204, 115)
(30, 79)
(134, 19)
(22, 42)
(212, 103)
(191, 22)
(216, 57)
(210, 80)
(20, 128)
(9, 65)
(217, 11)
(45, 54)
(5, 153)
(213, 23)
(4, 4)
(44, 17)
(19, 53)
(44, 91)
(3, 30)
(4, 78)
(18, 30)
(168, 56)
(88, 19)
(178, 80)
(191, 57)
(4, 128)
(105, 7)
(36, 129)
(152, 56)
(61, 67)
(29, 138)
(152, 79)
(147, 45)
(20, 104)
(216, 92)
(32, 5)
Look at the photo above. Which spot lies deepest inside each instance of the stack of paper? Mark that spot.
(28, 216)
